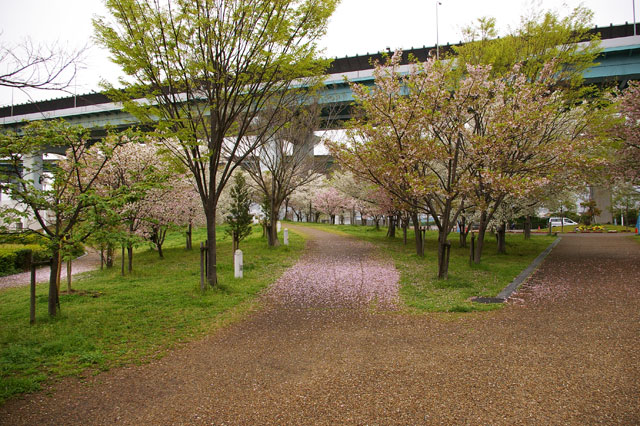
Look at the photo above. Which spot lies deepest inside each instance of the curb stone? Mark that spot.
(517, 281)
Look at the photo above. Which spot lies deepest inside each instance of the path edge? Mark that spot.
(506, 292)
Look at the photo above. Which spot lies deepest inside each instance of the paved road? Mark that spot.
(566, 350)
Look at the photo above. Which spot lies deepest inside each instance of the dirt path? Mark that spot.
(566, 351)
(88, 262)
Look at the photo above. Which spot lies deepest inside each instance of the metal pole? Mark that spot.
(634, 16)
(201, 266)
(32, 299)
(437, 33)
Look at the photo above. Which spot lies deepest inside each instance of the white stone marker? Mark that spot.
(278, 226)
(237, 263)
(286, 237)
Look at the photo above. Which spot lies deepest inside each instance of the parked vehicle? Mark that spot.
(558, 221)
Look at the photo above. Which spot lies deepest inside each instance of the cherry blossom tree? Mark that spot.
(409, 140)
(330, 202)
(135, 175)
(628, 164)
(302, 198)
(526, 135)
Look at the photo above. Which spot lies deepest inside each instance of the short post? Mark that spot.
(69, 274)
(473, 248)
(549, 227)
(286, 236)
(237, 263)
(32, 298)
(206, 258)
(201, 266)
(278, 226)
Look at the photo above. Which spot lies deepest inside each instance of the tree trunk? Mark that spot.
(417, 233)
(482, 228)
(405, 225)
(69, 275)
(130, 257)
(463, 232)
(444, 249)
(53, 283)
(110, 256)
(391, 233)
(502, 243)
(527, 228)
(189, 237)
(272, 227)
(376, 219)
(212, 277)
(272, 233)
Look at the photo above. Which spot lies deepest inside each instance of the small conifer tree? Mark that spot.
(239, 219)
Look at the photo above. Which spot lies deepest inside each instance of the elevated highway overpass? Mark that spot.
(618, 63)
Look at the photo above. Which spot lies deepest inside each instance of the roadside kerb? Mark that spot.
(517, 281)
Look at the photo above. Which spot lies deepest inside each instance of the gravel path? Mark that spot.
(565, 350)
(88, 262)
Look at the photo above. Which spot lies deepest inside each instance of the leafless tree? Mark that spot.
(28, 66)
(286, 161)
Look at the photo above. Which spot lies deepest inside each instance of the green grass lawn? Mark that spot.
(422, 291)
(113, 320)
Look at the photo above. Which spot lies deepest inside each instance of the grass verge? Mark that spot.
(422, 291)
(113, 320)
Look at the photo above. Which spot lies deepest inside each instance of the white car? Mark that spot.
(558, 221)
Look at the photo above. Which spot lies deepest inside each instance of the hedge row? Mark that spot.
(14, 258)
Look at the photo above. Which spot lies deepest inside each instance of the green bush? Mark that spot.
(8, 262)
(15, 257)
(23, 238)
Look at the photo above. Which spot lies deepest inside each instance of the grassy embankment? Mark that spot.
(422, 291)
(113, 320)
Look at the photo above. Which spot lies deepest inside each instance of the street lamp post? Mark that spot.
(437, 33)
(634, 16)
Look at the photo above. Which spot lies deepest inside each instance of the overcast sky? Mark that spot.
(357, 27)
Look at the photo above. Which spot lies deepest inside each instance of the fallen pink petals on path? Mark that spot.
(337, 272)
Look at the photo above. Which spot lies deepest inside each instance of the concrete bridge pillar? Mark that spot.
(33, 168)
(602, 196)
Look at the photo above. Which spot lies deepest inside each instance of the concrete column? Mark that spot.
(602, 196)
(278, 226)
(33, 170)
(286, 237)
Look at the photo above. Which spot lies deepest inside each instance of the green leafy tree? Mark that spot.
(208, 69)
(59, 196)
(590, 212)
(239, 218)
